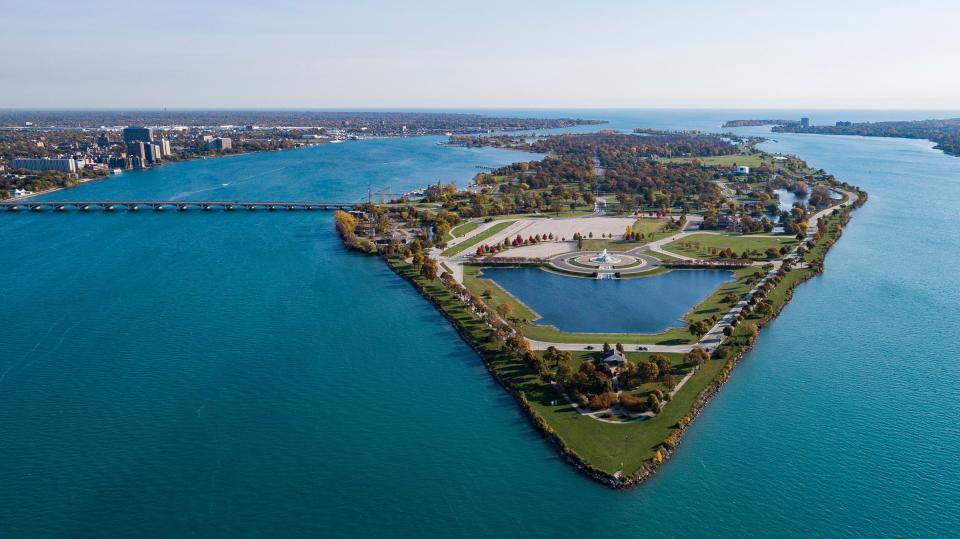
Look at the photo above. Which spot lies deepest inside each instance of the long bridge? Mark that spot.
(178, 205)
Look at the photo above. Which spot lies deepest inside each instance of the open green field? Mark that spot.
(610, 446)
(463, 228)
(460, 247)
(649, 226)
(712, 305)
(581, 211)
(721, 160)
(738, 243)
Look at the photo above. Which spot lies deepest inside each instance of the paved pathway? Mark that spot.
(579, 347)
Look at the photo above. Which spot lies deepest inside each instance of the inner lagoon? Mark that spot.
(638, 305)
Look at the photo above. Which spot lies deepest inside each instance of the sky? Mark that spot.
(481, 54)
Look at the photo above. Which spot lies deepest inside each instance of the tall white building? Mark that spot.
(164, 147)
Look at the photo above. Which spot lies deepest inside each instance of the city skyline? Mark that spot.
(372, 55)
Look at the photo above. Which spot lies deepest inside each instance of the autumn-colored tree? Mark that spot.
(346, 223)
(429, 269)
(648, 371)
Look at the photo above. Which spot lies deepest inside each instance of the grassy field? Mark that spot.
(463, 228)
(738, 243)
(649, 226)
(721, 160)
(610, 446)
(567, 213)
(460, 247)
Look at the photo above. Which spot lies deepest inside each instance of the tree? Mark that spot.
(552, 355)
(564, 373)
(653, 403)
(504, 310)
(606, 348)
(648, 371)
(346, 223)
(440, 231)
(383, 224)
(699, 329)
(429, 269)
(662, 362)
(619, 348)
(517, 345)
(697, 356)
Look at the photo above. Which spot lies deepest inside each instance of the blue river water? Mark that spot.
(214, 374)
(641, 305)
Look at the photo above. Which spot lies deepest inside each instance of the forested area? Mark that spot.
(945, 133)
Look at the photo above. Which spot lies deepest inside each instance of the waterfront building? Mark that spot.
(119, 162)
(165, 150)
(137, 149)
(135, 134)
(219, 144)
(60, 165)
(804, 122)
(154, 153)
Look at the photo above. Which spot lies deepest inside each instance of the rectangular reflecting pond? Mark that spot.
(639, 305)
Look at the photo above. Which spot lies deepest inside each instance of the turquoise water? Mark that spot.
(212, 374)
(640, 305)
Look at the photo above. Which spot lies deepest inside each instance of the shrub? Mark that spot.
(603, 401)
(631, 402)
(654, 403)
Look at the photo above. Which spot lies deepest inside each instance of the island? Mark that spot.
(612, 284)
(945, 134)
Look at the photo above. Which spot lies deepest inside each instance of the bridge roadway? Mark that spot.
(159, 205)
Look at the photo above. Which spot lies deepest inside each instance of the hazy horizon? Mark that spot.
(692, 54)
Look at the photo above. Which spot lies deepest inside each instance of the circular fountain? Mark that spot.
(605, 258)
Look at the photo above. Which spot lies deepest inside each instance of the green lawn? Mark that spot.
(463, 228)
(545, 214)
(721, 160)
(608, 446)
(460, 247)
(702, 242)
(649, 226)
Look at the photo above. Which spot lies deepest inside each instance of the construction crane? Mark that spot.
(383, 192)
